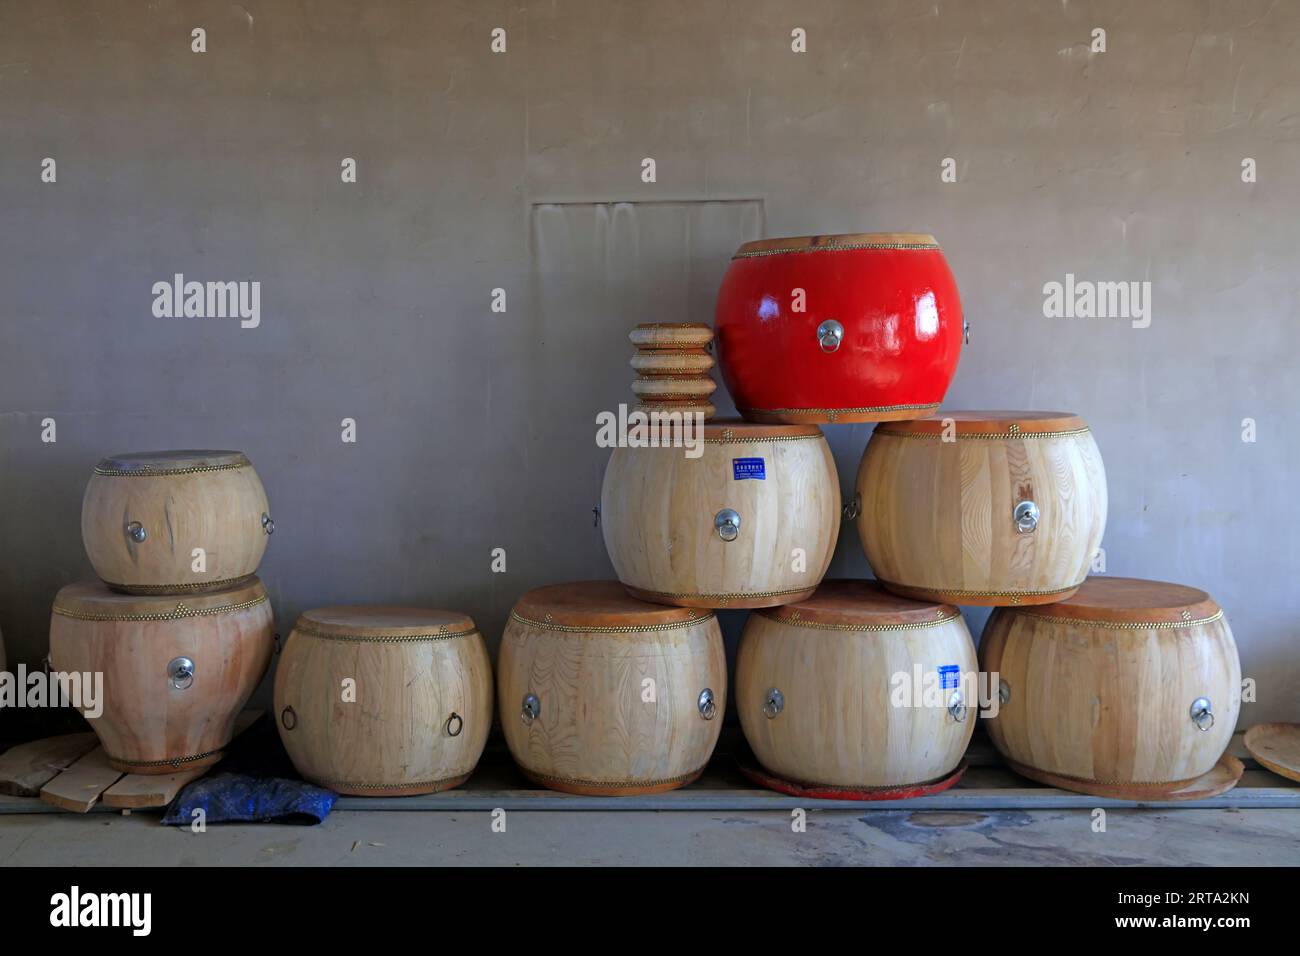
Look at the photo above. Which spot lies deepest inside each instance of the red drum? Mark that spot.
(852, 328)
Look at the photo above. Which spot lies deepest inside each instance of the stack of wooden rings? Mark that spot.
(672, 363)
(181, 628)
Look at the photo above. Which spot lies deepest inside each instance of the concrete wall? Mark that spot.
(521, 171)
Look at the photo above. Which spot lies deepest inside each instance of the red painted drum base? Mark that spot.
(850, 328)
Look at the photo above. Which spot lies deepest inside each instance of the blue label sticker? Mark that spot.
(742, 468)
(949, 676)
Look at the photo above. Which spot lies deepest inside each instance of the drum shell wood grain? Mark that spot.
(838, 726)
(1111, 704)
(936, 518)
(901, 314)
(148, 725)
(219, 511)
(595, 734)
(658, 512)
(398, 737)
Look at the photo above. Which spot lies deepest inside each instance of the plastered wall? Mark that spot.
(521, 171)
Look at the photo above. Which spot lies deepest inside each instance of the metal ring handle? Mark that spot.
(956, 708)
(853, 508)
(1202, 713)
(180, 671)
(830, 335)
(965, 331)
(1004, 691)
(727, 523)
(531, 710)
(1025, 516)
(288, 718)
(460, 724)
(707, 705)
(135, 531)
(773, 703)
(267, 524)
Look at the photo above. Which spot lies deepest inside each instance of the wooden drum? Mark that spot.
(176, 672)
(856, 688)
(384, 701)
(989, 508)
(144, 515)
(751, 522)
(849, 328)
(603, 694)
(1128, 688)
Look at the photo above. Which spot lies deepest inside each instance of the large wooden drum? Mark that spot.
(752, 522)
(856, 688)
(384, 700)
(849, 328)
(603, 694)
(175, 521)
(1127, 687)
(177, 672)
(991, 508)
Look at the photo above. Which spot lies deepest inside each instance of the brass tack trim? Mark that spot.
(614, 784)
(180, 613)
(152, 471)
(696, 618)
(1187, 621)
(957, 591)
(1167, 786)
(1012, 432)
(443, 633)
(835, 247)
(380, 787)
(730, 438)
(176, 588)
(832, 413)
(794, 619)
(169, 762)
(722, 598)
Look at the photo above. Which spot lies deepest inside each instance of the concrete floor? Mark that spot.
(894, 837)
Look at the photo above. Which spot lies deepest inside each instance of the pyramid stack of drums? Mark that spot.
(179, 625)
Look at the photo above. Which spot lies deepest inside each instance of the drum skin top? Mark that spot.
(981, 423)
(832, 243)
(599, 604)
(93, 600)
(381, 620)
(1129, 601)
(162, 462)
(844, 604)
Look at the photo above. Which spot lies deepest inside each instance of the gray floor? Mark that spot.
(886, 837)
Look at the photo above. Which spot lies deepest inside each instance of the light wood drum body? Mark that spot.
(144, 515)
(601, 693)
(857, 688)
(985, 508)
(384, 701)
(751, 522)
(176, 671)
(1130, 684)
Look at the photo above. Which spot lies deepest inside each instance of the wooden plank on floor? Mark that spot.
(25, 768)
(137, 791)
(78, 788)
